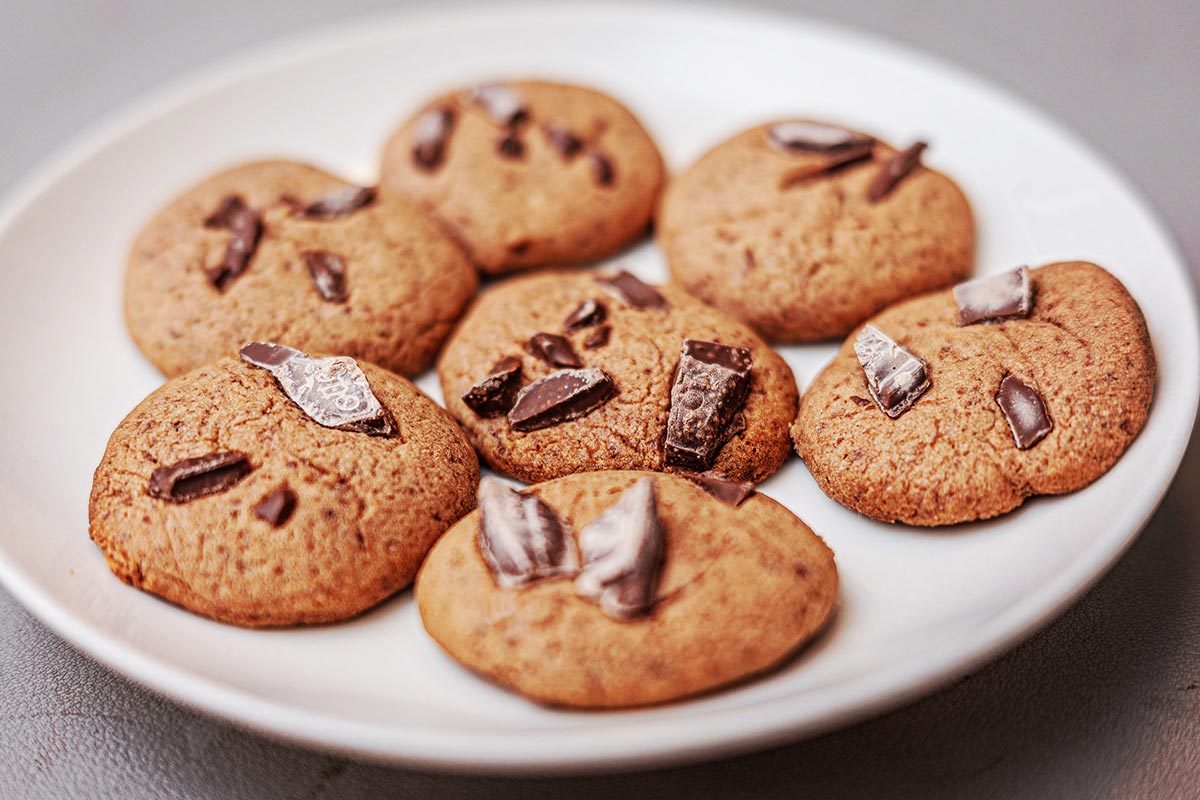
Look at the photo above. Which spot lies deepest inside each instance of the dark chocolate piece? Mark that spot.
(814, 137)
(837, 161)
(555, 350)
(622, 552)
(341, 204)
(1008, 295)
(196, 477)
(510, 146)
(277, 507)
(1025, 411)
(861, 402)
(894, 170)
(560, 397)
(502, 104)
(895, 377)
(628, 288)
(522, 539)
(431, 134)
(493, 394)
(565, 143)
(328, 273)
(721, 486)
(245, 224)
(603, 171)
(589, 313)
(711, 384)
(599, 337)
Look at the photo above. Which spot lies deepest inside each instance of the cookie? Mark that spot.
(730, 592)
(568, 372)
(223, 494)
(528, 174)
(803, 230)
(961, 404)
(278, 249)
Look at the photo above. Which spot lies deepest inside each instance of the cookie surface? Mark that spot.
(953, 455)
(740, 590)
(363, 510)
(527, 174)
(788, 242)
(641, 353)
(403, 283)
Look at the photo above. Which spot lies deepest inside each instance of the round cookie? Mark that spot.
(953, 456)
(403, 282)
(777, 228)
(528, 174)
(640, 351)
(740, 589)
(326, 523)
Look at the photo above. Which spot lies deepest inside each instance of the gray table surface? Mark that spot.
(1105, 702)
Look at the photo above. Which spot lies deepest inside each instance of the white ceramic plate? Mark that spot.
(918, 608)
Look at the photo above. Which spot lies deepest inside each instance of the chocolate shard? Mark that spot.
(1008, 295)
(598, 337)
(1025, 411)
(502, 103)
(895, 377)
(277, 507)
(711, 385)
(494, 393)
(196, 477)
(510, 146)
(894, 170)
(562, 141)
(627, 287)
(245, 224)
(554, 350)
(522, 539)
(834, 163)
(333, 392)
(561, 397)
(431, 134)
(721, 486)
(622, 552)
(341, 203)
(328, 273)
(800, 135)
(603, 171)
(589, 313)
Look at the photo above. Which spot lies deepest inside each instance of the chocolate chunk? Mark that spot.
(554, 350)
(565, 143)
(589, 313)
(861, 402)
(245, 224)
(721, 486)
(277, 507)
(522, 539)
(603, 171)
(894, 170)
(510, 146)
(994, 297)
(598, 337)
(628, 288)
(560, 397)
(710, 388)
(895, 377)
(340, 204)
(332, 391)
(502, 104)
(196, 477)
(493, 394)
(431, 134)
(815, 137)
(837, 161)
(328, 273)
(1025, 411)
(622, 553)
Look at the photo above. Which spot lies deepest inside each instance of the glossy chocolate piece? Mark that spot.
(1025, 411)
(710, 389)
(622, 551)
(494, 393)
(1008, 295)
(895, 377)
(521, 538)
(560, 397)
(190, 478)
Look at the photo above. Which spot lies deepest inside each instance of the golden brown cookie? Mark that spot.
(803, 230)
(737, 591)
(219, 493)
(527, 173)
(1014, 408)
(282, 250)
(569, 372)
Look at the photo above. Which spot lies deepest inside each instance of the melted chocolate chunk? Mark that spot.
(815, 137)
(1025, 411)
(493, 394)
(245, 224)
(562, 141)
(560, 397)
(196, 477)
(895, 377)
(277, 507)
(340, 204)
(589, 313)
(599, 337)
(622, 553)
(522, 539)
(431, 134)
(628, 288)
(894, 170)
(1008, 295)
(711, 384)
(502, 104)
(510, 146)
(836, 162)
(603, 171)
(721, 486)
(328, 273)
(554, 350)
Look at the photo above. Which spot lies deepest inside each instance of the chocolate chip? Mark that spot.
(628, 288)
(861, 402)
(522, 539)
(835, 163)
(622, 553)
(721, 486)
(328, 273)
(431, 134)
(245, 224)
(1025, 411)
(994, 297)
(710, 388)
(196, 477)
(510, 146)
(560, 397)
(589, 313)
(555, 350)
(277, 507)
(814, 136)
(333, 392)
(895, 377)
(562, 141)
(502, 104)
(603, 171)
(341, 204)
(894, 170)
(599, 337)
(493, 394)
